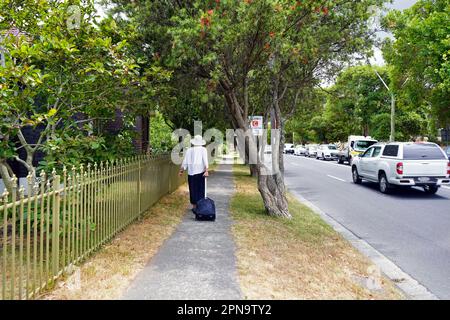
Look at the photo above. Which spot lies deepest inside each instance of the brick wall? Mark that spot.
(141, 141)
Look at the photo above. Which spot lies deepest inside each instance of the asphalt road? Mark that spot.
(409, 227)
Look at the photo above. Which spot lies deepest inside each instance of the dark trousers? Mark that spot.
(196, 187)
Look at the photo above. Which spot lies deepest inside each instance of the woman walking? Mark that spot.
(196, 163)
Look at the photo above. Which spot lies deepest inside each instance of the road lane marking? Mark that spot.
(333, 177)
(445, 187)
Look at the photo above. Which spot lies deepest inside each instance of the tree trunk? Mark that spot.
(272, 187)
(270, 184)
(281, 147)
(273, 193)
(6, 176)
(253, 171)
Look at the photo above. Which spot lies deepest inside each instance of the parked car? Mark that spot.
(327, 152)
(299, 150)
(447, 152)
(311, 150)
(355, 146)
(403, 164)
(289, 148)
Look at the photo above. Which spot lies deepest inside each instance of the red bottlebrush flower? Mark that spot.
(272, 34)
(211, 12)
(325, 11)
(205, 21)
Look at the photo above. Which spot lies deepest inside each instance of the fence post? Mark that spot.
(170, 177)
(55, 224)
(139, 188)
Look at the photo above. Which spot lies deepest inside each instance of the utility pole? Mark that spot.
(391, 92)
(392, 136)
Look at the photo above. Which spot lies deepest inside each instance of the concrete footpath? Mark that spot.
(198, 261)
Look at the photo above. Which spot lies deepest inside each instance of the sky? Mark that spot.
(402, 4)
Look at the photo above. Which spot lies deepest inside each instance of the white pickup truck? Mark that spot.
(403, 164)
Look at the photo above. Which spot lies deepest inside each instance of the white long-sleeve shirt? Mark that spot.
(195, 160)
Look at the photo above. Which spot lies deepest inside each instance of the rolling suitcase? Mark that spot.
(206, 208)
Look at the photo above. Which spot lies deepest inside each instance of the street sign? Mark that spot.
(257, 125)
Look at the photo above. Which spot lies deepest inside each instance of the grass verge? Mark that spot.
(302, 258)
(109, 272)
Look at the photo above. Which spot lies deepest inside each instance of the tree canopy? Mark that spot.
(259, 57)
(416, 72)
(420, 52)
(65, 76)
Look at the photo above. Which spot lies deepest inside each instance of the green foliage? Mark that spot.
(222, 49)
(381, 127)
(188, 96)
(160, 134)
(361, 97)
(70, 82)
(418, 74)
(72, 150)
(420, 53)
(358, 103)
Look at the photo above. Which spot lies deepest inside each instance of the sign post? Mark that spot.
(256, 124)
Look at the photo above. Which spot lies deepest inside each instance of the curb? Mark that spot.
(407, 284)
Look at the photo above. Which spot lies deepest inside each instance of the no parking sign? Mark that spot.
(256, 124)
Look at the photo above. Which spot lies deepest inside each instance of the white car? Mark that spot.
(327, 152)
(289, 148)
(403, 164)
(300, 150)
(311, 150)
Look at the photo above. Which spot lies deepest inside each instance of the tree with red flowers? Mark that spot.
(264, 55)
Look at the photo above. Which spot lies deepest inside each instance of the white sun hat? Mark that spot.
(198, 141)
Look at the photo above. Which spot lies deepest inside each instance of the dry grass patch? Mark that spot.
(108, 273)
(302, 258)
